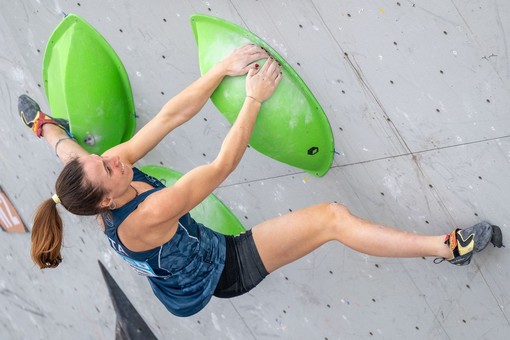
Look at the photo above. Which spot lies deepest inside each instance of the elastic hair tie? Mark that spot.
(59, 141)
(56, 199)
(255, 99)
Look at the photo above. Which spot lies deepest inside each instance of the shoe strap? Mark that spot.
(451, 241)
(40, 120)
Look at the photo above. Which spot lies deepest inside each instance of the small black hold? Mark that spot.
(348, 15)
(464, 321)
(437, 110)
(398, 3)
(329, 306)
(430, 186)
(163, 57)
(341, 129)
(300, 25)
(468, 286)
(245, 217)
(209, 9)
(417, 328)
(205, 119)
(479, 177)
(203, 154)
(382, 193)
(426, 222)
(313, 150)
(441, 71)
(78, 4)
(373, 300)
(488, 101)
(298, 64)
(376, 265)
(120, 29)
(331, 272)
(476, 214)
(343, 91)
(445, 33)
(391, 81)
(395, 43)
(164, 19)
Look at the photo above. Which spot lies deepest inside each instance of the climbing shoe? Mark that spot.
(34, 118)
(465, 242)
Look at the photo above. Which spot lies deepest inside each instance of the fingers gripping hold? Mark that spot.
(262, 83)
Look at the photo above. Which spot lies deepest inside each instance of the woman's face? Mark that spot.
(109, 173)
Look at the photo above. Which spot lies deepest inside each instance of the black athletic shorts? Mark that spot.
(243, 267)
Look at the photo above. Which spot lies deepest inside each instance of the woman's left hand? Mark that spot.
(242, 59)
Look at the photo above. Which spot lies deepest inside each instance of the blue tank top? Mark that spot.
(183, 272)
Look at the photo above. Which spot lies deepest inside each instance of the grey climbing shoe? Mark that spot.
(34, 118)
(465, 242)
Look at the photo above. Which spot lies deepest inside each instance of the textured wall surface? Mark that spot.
(418, 97)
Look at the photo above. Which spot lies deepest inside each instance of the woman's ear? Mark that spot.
(106, 202)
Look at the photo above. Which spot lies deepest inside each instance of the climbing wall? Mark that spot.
(418, 97)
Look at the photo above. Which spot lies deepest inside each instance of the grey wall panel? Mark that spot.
(424, 68)
(487, 22)
(400, 162)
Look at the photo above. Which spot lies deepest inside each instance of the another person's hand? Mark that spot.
(242, 59)
(260, 84)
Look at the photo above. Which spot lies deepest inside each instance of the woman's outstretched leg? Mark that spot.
(54, 130)
(287, 238)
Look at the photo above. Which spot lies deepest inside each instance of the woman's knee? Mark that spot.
(338, 215)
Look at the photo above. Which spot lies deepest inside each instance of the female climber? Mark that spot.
(148, 224)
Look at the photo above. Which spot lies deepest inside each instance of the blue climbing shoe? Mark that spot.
(34, 118)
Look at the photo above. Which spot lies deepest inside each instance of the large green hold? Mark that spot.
(86, 83)
(291, 127)
(211, 212)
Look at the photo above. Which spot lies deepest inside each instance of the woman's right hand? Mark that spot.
(260, 84)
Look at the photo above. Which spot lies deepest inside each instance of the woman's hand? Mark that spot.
(242, 59)
(260, 84)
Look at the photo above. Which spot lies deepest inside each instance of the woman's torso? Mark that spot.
(184, 270)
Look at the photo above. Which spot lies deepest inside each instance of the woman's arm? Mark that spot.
(187, 103)
(196, 185)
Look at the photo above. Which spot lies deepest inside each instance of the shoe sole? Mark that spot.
(497, 237)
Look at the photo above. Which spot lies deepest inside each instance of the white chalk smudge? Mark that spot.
(215, 322)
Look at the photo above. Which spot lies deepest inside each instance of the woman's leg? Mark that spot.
(53, 130)
(287, 238)
(65, 148)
